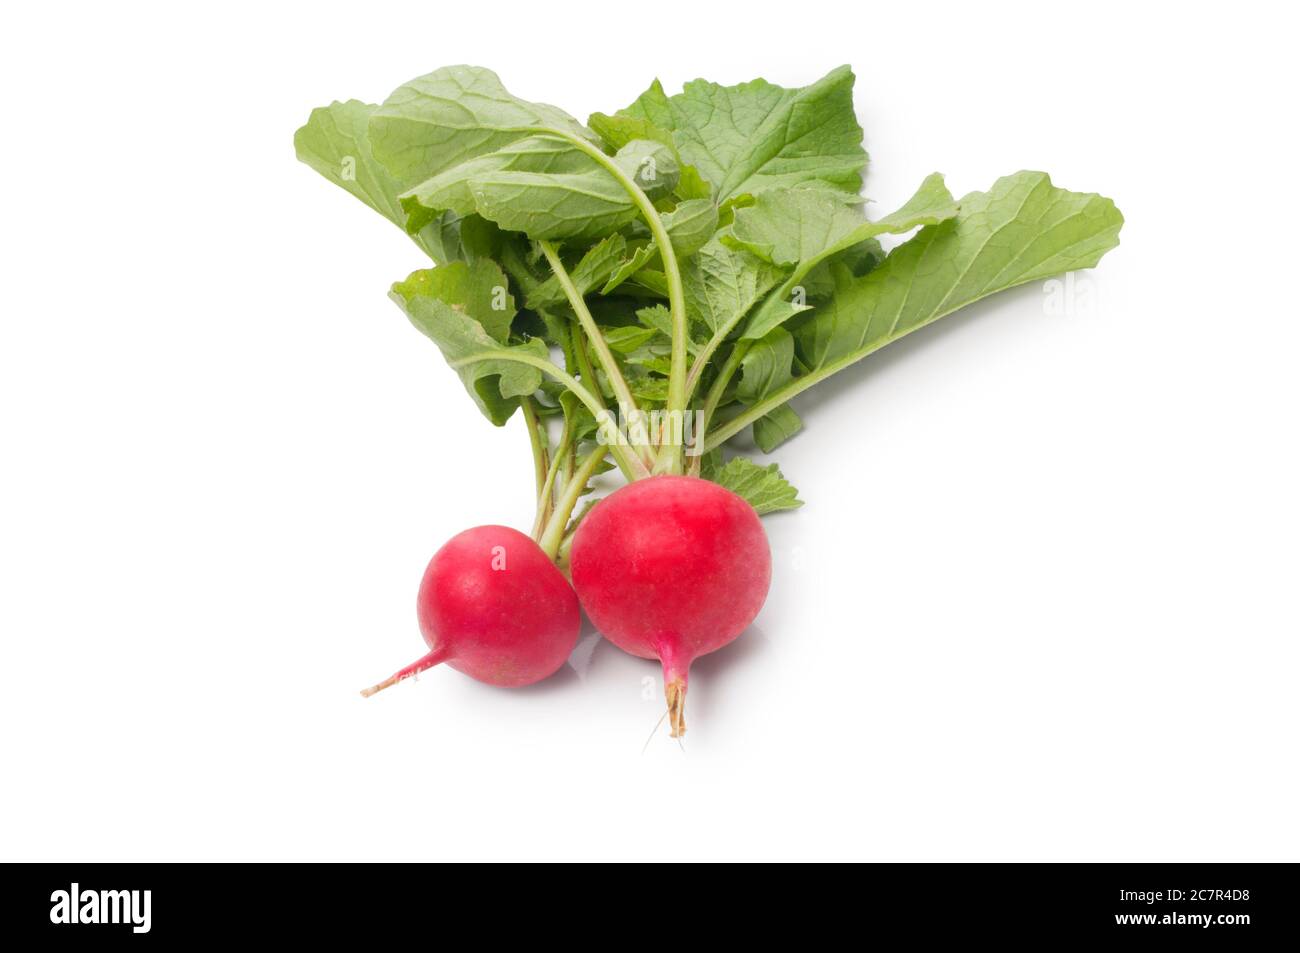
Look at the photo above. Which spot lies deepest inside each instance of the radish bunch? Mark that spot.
(641, 289)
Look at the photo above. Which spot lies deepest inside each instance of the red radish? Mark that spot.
(671, 567)
(493, 605)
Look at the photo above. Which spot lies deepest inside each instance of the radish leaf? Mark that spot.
(1021, 230)
(334, 142)
(452, 115)
(752, 137)
(764, 488)
(801, 228)
(444, 309)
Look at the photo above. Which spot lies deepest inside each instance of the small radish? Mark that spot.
(671, 567)
(493, 605)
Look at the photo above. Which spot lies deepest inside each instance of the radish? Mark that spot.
(671, 567)
(641, 294)
(493, 605)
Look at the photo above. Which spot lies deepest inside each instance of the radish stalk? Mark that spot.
(588, 324)
(536, 438)
(631, 465)
(553, 536)
(677, 370)
(545, 494)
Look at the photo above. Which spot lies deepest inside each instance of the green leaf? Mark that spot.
(1023, 229)
(480, 290)
(776, 428)
(651, 389)
(494, 382)
(580, 419)
(766, 368)
(721, 284)
(626, 339)
(775, 310)
(450, 237)
(652, 280)
(618, 131)
(640, 257)
(764, 488)
(690, 225)
(692, 185)
(558, 331)
(752, 137)
(451, 188)
(334, 142)
(657, 317)
(801, 228)
(583, 205)
(452, 115)
(590, 273)
(804, 226)
(651, 165)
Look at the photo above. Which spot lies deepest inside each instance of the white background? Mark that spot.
(1041, 602)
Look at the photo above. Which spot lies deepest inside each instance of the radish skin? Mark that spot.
(494, 606)
(671, 567)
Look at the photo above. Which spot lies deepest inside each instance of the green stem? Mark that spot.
(565, 471)
(801, 384)
(738, 423)
(535, 432)
(593, 333)
(562, 556)
(516, 269)
(702, 359)
(598, 342)
(566, 544)
(715, 392)
(553, 535)
(742, 346)
(676, 299)
(584, 366)
(544, 492)
(629, 463)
